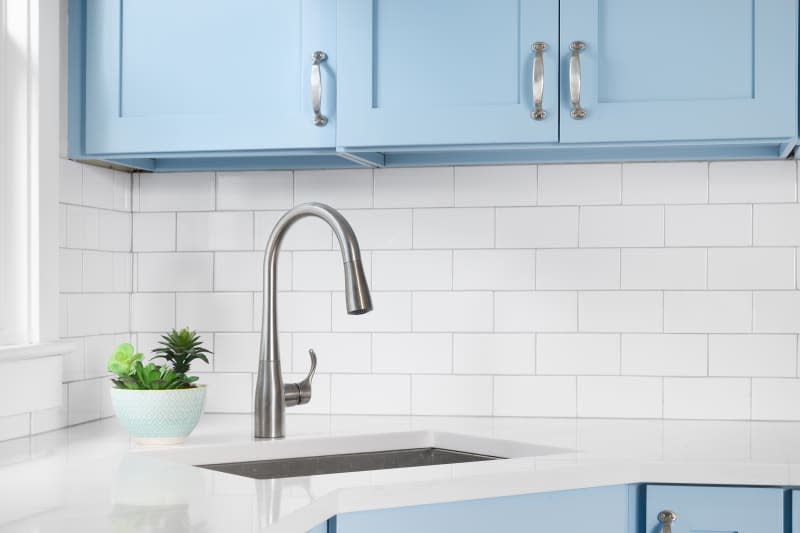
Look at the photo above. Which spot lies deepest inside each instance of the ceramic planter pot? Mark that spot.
(159, 417)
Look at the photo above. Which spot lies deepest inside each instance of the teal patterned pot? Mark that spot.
(159, 416)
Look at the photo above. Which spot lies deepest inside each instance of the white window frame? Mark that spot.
(29, 163)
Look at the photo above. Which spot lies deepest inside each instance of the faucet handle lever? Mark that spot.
(300, 393)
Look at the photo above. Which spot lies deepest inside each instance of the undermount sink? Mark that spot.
(347, 462)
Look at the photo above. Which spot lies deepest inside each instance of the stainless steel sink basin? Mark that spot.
(348, 462)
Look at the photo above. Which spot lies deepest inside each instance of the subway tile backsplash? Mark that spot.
(607, 290)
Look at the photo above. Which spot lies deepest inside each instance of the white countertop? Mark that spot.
(91, 478)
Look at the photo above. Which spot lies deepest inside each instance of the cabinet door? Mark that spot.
(601, 509)
(719, 509)
(445, 72)
(680, 70)
(188, 75)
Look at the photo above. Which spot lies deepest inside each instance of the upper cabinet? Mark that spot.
(187, 76)
(679, 70)
(183, 85)
(447, 72)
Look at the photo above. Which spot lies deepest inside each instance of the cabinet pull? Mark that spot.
(667, 518)
(578, 113)
(316, 88)
(537, 80)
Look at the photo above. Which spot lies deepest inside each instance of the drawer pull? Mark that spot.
(667, 518)
(537, 80)
(577, 113)
(316, 88)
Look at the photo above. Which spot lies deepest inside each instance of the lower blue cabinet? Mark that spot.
(700, 509)
(602, 510)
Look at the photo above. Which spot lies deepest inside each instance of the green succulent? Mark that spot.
(153, 377)
(124, 359)
(180, 348)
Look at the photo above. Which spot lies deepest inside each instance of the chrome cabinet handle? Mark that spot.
(300, 393)
(667, 518)
(577, 112)
(537, 80)
(316, 88)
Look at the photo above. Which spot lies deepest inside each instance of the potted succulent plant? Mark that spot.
(159, 404)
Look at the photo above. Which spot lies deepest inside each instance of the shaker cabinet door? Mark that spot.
(190, 76)
(681, 70)
(423, 73)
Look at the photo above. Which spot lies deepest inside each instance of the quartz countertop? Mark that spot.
(92, 478)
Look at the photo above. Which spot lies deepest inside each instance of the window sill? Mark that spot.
(34, 351)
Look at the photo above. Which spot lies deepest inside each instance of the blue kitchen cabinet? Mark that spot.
(157, 78)
(606, 509)
(682, 70)
(701, 509)
(421, 73)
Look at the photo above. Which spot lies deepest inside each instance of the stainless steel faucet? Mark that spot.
(272, 395)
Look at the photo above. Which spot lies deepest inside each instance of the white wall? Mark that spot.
(636, 290)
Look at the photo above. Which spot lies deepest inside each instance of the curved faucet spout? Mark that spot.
(270, 403)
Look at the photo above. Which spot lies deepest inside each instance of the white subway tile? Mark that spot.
(122, 272)
(154, 232)
(752, 355)
(707, 312)
(70, 267)
(152, 312)
(776, 225)
(411, 353)
(381, 229)
(228, 393)
(215, 231)
(175, 272)
(537, 227)
(493, 353)
(220, 311)
(303, 311)
(619, 397)
(627, 312)
(244, 271)
(622, 226)
(70, 181)
(751, 268)
(580, 184)
(414, 187)
(113, 231)
(752, 181)
(412, 270)
(238, 352)
(98, 271)
(98, 187)
(454, 228)
(123, 182)
(309, 233)
(254, 190)
(93, 314)
(82, 227)
(84, 401)
(665, 183)
(553, 396)
(664, 268)
(776, 399)
(30, 384)
(53, 418)
(342, 189)
(180, 191)
(776, 312)
(536, 311)
(495, 185)
(99, 348)
(708, 225)
(370, 394)
(74, 363)
(15, 426)
(493, 269)
(577, 269)
(315, 271)
(63, 222)
(664, 354)
(452, 311)
(451, 395)
(707, 398)
(577, 353)
(336, 352)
